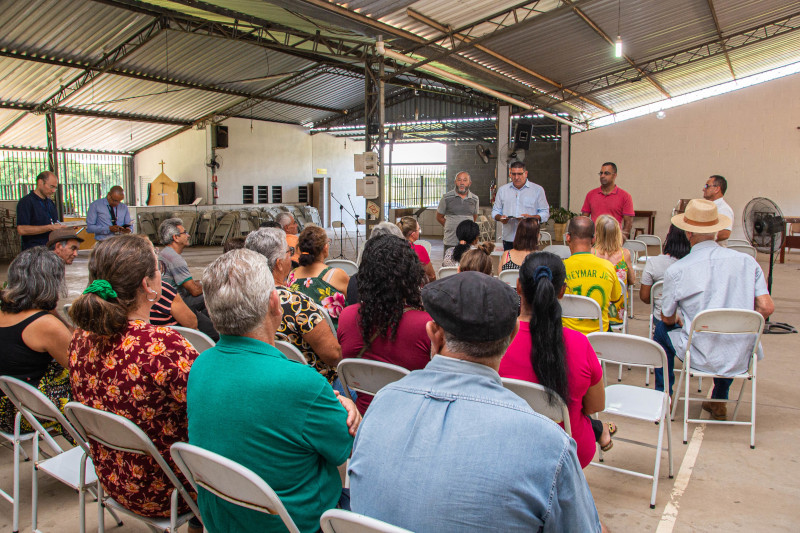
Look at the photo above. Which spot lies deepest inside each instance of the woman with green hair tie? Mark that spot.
(121, 363)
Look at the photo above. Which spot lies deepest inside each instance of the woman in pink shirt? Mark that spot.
(559, 358)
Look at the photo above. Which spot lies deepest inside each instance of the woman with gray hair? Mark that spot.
(35, 343)
(302, 324)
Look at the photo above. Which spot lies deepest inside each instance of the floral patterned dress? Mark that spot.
(140, 374)
(321, 292)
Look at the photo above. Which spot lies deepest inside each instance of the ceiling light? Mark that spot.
(618, 47)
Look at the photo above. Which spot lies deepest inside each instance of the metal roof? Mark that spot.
(122, 74)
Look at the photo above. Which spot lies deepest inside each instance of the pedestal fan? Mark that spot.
(765, 228)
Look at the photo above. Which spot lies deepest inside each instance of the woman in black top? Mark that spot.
(35, 342)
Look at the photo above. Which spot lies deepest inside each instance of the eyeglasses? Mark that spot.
(290, 250)
(518, 174)
(183, 233)
(707, 185)
(604, 173)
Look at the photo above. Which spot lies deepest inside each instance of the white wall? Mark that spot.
(329, 152)
(185, 160)
(750, 136)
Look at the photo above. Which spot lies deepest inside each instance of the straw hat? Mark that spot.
(701, 216)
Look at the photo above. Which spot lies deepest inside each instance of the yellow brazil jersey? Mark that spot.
(588, 275)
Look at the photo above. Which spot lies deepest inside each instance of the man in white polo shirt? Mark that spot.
(714, 191)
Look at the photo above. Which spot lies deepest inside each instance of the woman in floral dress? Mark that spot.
(121, 363)
(325, 285)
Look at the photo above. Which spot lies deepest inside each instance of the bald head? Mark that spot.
(581, 228)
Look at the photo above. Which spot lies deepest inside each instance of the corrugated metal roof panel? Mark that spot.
(694, 76)
(103, 134)
(766, 55)
(629, 95)
(285, 113)
(29, 82)
(328, 90)
(8, 116)
(744, 14)
(29, 132)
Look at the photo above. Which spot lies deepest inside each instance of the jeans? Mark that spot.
(338, 387)
(508, 245)
(661, 337)
(721, 388)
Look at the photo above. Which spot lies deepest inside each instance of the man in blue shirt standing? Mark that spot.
(36, 212)
(519, 199)
(449, 449)
(108, 216)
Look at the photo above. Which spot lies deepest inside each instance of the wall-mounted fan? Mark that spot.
(215, 162)
(484, 153)
(765, 228)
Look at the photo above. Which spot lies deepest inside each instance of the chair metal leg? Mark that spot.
(739, 400)
(619, 376)
(668, 423)
(647, 370)
(686, 410)
(15, 482)
(677, 390)
(658, 462)
(34, 482)
(101, 526)
(700, 384)
(753, 416)
(173, 511)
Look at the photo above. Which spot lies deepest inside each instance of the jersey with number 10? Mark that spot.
(588, 275)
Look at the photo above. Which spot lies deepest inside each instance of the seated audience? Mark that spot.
(388, 324)
(588, 275)
(302, 324)
(325, 285)
(410, 228)
(289, 225)
(35, 343)
(676, 246)
(608, 245)
(175, 239)
(467, 233)
(712, 277)
(65, 243)
(235, 243)
(279, 418)
(122, 364)
(526, 241)
(380, 229)
(478, 259)
(171, 310)
(559, 358)
(270, 224)
(448, 448)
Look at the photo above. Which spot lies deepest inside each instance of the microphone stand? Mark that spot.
(341, 228)
(355, 216)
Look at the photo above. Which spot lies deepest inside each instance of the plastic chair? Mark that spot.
(328, 319)
(349, 267)
(291, 352)
(229, 480)
(447, 271)
(722, 322)
(581, 307)
(651, 240)
(634, 402)
(749, 250)
(339, 521)
(545, 237)
(537, 397)
(561, 250)
(425, 244)
(739, 242)
(119, 433)
(509, 277)
(73, 466)
(368, 377)
(199, 340)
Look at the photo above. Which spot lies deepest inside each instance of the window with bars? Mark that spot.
(263, 194)
(247, 194)
(302, 194)
(277, 194)
(84, 177)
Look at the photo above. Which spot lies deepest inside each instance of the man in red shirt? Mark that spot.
(608, 199)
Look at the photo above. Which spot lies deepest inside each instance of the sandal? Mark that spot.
(612, 429)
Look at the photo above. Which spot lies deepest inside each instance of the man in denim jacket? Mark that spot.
(448, 448)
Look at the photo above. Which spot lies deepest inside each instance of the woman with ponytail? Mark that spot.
(467, 233)
(121, 363)
(561, 359)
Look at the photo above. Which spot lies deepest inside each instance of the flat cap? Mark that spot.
(62, 234)
(472, 306)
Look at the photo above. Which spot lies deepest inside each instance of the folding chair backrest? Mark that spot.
(560, 250)
(742, 242)
(425, 244)
(229, 480)
(627, 349)
(637, 248)
(339, 521)
(328, 319)
(312, 215)
(537, 397)
(509, 277)
(36, 407)
(656, 293)
(728, 321)
(447, 271)
(574, 306)
(745, 249)
(545, 237)
(291, 352)
(199, 340)
(349, 267)
(650, 240)
(363, 375)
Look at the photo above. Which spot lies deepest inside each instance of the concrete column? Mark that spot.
(565, 152)
(503, 134)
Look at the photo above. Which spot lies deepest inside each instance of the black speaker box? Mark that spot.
(522, 135)
(220, 136)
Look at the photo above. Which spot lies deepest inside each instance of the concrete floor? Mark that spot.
(720, 483)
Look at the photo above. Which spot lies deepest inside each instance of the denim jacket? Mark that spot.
(448, 448)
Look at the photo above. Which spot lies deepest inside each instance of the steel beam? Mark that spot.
(131, 117)
(719, 34)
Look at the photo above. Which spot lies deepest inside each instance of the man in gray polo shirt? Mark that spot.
(456, 206)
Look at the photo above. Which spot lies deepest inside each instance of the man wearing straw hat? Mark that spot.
(712, 277)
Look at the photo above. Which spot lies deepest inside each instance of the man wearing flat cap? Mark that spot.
(65, 243)
(712, 277)
(448, 448)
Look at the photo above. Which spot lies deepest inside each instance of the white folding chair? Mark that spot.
(447, 271)
(651, 240)
(366, 376)
(538, 398)
(745, 249)
(199, 340)
(722, 322)
(291, 352)
(545, 237)
(73, 466)
(561, 250)
(16, 439)
(328, 319)
(339, 521)
(349, 267)
(639, 256)
(581, 307)
(739, 242)
(425, 244)
(119, 433)
(630, 401)
(656, 293)
(229, 480)
(509, 277)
